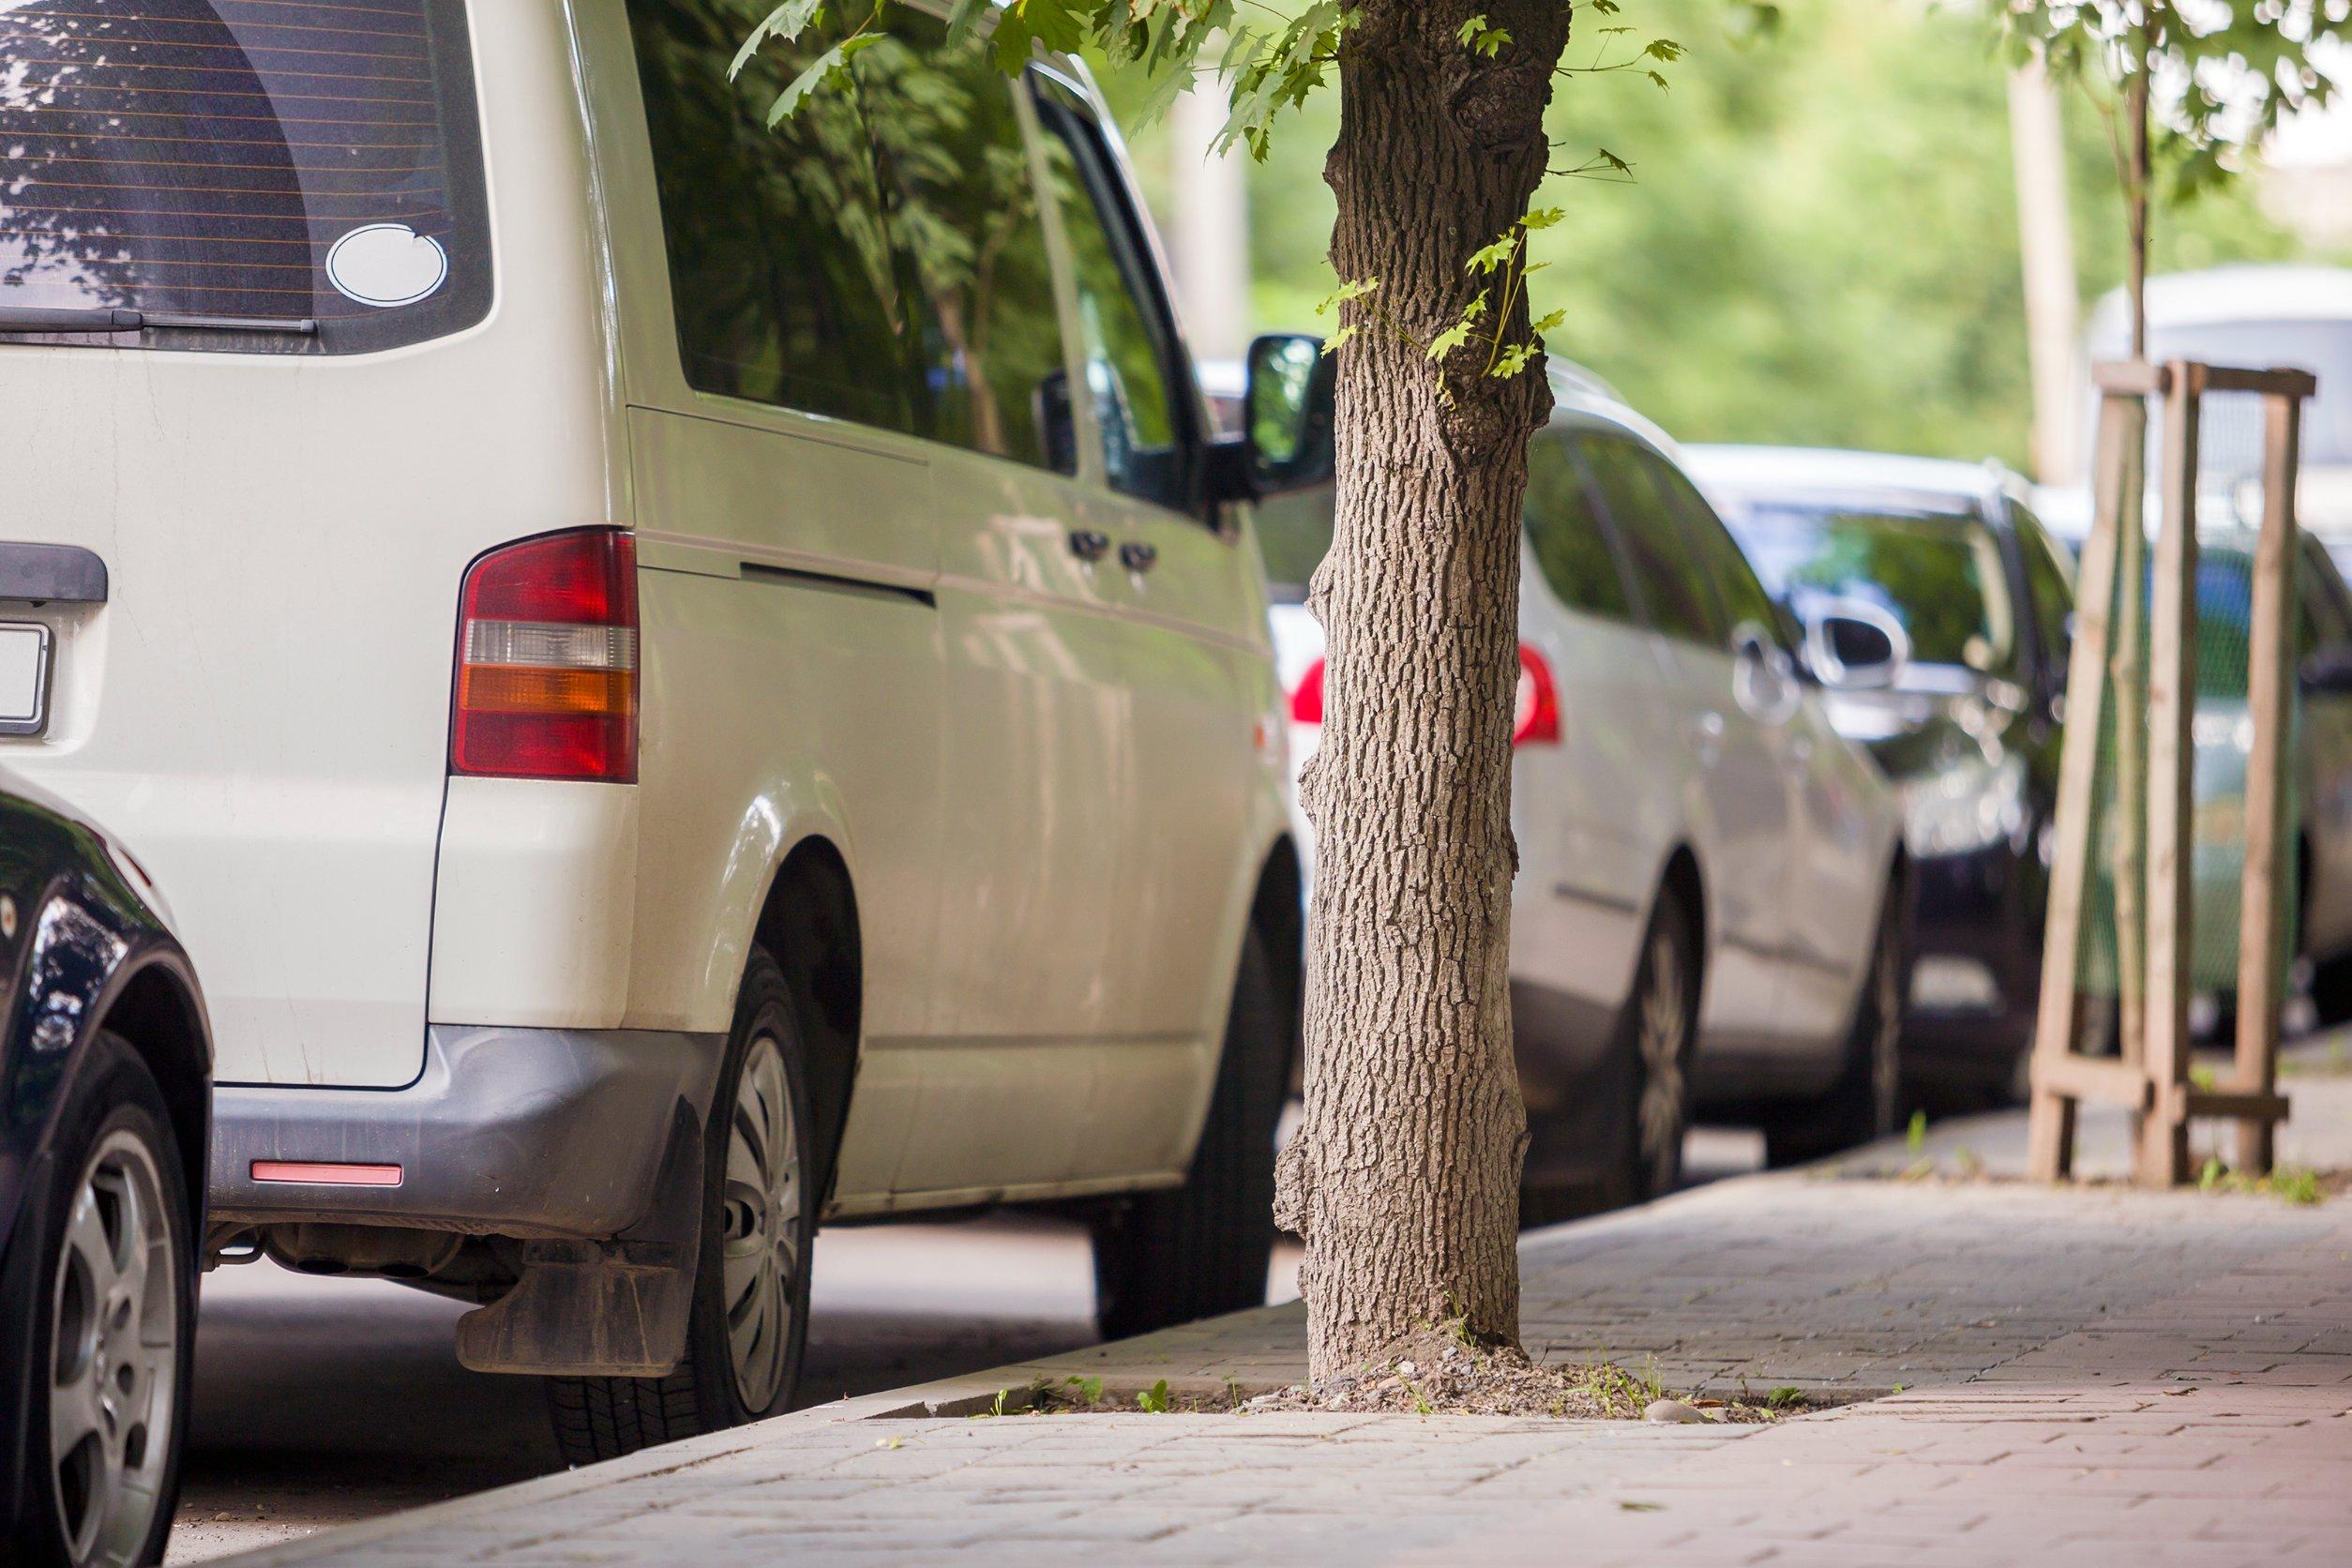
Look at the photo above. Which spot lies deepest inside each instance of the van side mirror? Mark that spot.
(1854, 646)
(1287, 409)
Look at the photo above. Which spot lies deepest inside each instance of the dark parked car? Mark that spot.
(105, 1115)
(1969, 732)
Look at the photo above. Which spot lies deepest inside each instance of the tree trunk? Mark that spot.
(1404, 1176)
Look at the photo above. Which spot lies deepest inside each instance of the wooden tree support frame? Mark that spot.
(2149, 1076)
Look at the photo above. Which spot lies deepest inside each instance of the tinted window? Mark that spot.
(1928, 560)
(1672, 579)
(877, 256)
(1744, 600)
(1124, 338)
(2052, 589)
(1565, 532)
(244, 159)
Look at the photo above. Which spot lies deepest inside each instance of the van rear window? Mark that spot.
(271, 162)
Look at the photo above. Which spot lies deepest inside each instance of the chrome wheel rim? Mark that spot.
(761, 1252)
(114, 1355)
(1662, 1110)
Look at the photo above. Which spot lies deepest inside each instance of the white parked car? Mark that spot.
(687, 680)
(1711, 904)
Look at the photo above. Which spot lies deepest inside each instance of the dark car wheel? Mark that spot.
(1652, 1058)
(113, 1327)
(749, 1324)
(1167, 1257)
(1860, 1106)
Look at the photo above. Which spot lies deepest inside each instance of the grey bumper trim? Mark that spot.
(518, 1132)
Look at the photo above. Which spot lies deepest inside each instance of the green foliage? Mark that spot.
(1819, 245)
(2223, 74)
(1155, 1400)
(1915, 1137)
(1785, 1398)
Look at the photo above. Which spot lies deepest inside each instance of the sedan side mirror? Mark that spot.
(1854, 646)
(1287, 411)
(2328, 672)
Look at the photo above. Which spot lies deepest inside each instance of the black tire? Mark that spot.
(1203, 1248)
(1860, 1106)
(113, 1136)
(1651, 1060)
(602, 1418)
(2332, 990)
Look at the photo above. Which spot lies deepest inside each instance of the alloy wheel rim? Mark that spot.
(761, 1250)
(114, 1361)
(1661, 1113)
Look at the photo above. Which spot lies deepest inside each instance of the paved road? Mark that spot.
(323, 1401)
(2093, 1375)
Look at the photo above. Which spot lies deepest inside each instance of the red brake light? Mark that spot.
(1306, 702)
(1535, 712)
(547, 661)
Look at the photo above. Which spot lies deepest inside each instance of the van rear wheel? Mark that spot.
(748, 1327)
(1168, 1257)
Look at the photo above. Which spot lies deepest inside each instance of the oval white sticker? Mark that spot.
(386, 264)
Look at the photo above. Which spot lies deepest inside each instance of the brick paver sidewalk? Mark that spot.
(2095, 1374)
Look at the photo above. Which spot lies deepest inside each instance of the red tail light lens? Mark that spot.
(1306, 702)
(547, 661)
(1535, 712)
(1535, 709)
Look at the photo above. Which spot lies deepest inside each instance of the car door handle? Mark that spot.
(1139, 557)
(1089, 544)
(1707, 734)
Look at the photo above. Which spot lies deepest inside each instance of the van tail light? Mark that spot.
(547, 661)
(1535, 713)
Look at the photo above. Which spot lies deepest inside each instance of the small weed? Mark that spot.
(1155, 1399)
(1421, 1400)
(1916, 1139)
(1001, 1405)
(2205, 1077)
(1785, 1398)
(1233, 1392)
(2293, 1184)
(1898, 1388)
(1088, 1389)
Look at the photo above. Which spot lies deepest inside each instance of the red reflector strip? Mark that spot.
(320, 1174)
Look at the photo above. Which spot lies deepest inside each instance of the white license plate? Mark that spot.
(24, 648)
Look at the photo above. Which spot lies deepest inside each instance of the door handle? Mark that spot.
(1139, 557)
(1707, 734)
(1089, 544)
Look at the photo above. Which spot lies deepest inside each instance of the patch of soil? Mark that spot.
(1438, 1373)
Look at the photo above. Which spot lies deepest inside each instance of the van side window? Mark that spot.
(1673, 580)
(787, 287)
(953, 165)
(1571, 546)
(1127, 341)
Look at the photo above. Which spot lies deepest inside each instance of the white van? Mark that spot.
(684, 678)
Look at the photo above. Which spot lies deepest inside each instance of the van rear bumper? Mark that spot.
(516, 1132)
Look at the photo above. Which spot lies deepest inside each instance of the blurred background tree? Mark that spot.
(1820, 242)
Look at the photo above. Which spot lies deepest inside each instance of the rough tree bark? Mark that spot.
(1404, 1176)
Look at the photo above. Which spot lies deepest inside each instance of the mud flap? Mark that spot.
(605, 1309)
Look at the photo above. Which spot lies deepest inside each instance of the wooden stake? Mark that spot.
(2050, 1144)
(2163, 1150)
(2270, 704)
